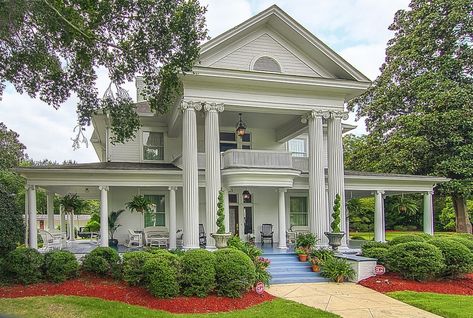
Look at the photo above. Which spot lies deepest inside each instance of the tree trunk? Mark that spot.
(463, 224)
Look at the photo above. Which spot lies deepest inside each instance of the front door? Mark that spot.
(234, 220)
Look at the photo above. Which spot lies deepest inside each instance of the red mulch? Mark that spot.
(118, 291)
(392, 282)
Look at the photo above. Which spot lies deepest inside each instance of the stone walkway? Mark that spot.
(348, 300)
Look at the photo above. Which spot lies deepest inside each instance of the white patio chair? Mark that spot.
(50, 242)
(156, 235)
(135, 239)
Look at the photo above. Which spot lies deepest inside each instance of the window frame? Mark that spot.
(238, 140)
(306, 213)
(165, 145)
(304, 154)
(166, 204)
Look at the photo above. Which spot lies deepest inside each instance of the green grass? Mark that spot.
(450, 306)
(73, 306)
(392, 234)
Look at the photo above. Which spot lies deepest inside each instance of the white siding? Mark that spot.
(128, 152)
(265, 45)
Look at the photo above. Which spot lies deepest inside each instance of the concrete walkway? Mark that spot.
(348, 300)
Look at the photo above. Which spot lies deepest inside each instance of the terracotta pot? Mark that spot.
(302, 257)
(140, 210)
(340, 279)
(316, 268)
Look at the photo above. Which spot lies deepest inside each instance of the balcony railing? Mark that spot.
(242, 158)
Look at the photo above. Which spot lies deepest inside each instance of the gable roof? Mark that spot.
(279, 21)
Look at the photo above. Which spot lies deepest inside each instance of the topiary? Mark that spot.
(11, 222)
(337, 269)
(235, 272)
(335, 225)
(198, 273)
(162, 275)
(102, 261)
(23, 265)
(406, 239)
(372, 244)
(133, 263)
(60, 266)
(380, 253)
(468, 243)
(221, 213)
(458, 258)
(415, 260)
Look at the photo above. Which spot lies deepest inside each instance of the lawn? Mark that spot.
(392, 234)
(450, 306)
(83, 307)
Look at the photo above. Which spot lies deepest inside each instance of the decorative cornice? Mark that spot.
(339, 114)
(172, 188)
(218, 107)
(190, 104)
(315, 113)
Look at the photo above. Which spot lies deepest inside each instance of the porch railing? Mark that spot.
(243, 158)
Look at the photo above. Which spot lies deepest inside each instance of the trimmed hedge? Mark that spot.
(372, 244)
(415, 260)
(60, 266)
(11, 222)
(380, 253)
(103, 261)
(162, 275)
(198, 273)
(406, 239)
(235, 272)
(133, 263)
(463, 240)
(23, 265)
(458, 258)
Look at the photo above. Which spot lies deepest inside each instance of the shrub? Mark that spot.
(337, 269)
(380, 253)
(406, 239)
(372, 244)
(235, 272)
(133, 263)
(23, 265)
(401, 228)
(458, 258)
(11, 222)
(425, 236)
(322, 254)
(415, 260)
(357, 237)
(464, 241)
(198, 273)
(261, 270)
(162, 275)
(464, 235)
(249, 249)
(306, 240)
(60, 266)
(411, 227)
(102, 261)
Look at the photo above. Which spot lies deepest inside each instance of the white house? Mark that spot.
(285, 170)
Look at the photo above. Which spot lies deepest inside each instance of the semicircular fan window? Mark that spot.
(266, 64)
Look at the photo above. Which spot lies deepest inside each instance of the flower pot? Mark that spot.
(140, 210)
(112, 242)
(340, 279)
(334, 239)
(221, 239)
(302, 257)
(68, 209)
(316, 268)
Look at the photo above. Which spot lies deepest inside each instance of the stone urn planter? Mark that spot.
(334, 239)
(221, 239)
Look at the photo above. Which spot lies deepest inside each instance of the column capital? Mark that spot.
(282, 190)
(315, 113)
(106, 188)
(379, 192)
(30, 187)
(339, 114)
(190, 104)
(430, 192)
(172, 188)
(210, 107)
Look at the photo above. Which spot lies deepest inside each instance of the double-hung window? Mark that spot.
(229, 140)
(298, 147)
(153, 145)
(298, 210)
(157, 216)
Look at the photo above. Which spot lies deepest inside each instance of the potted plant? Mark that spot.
(315, 262)
(302, 253)
(337, 269)
(221, 237)
(335, 237)
(322, 254)
(71, 202)
(139, 204)
(113, 225)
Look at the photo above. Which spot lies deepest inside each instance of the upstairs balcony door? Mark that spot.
(230, 140)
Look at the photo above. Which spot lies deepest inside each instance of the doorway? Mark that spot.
(234, 220)
(241, 214)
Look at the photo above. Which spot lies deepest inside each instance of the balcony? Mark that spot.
(266, 159)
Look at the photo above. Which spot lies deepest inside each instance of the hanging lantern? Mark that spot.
(246, 196)
(240, 127)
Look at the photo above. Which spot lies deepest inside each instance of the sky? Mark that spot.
(356, 29)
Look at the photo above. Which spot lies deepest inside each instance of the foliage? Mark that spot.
(60, 266)
(406, 238)
(447, 216)
(335, 225)
(337, 269)
(113, 224)
(71, 40)
(301, 251)
(139, 203)
(103, 261)
(361, 214)
(463, 240)
(413, 108)
(373, 244)
(12, 151)
(249, 249)
(406, 205)
(162, 275)
(220, 214)
(93, 226)
(415, 260)
(11, 222)
(133, 263)
(379, 253)
(198, 273)
(72, 202)
(235, 272)
(458, 258)
(261, 270)
(322, 254)
(23, 265)
(306, 240)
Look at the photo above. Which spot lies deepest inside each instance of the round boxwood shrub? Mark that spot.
(133, 263)
(406, 239)
(458, 258)
(235, 272)
(162, 275)
(464, 241)
(425, 236)
(372, 244)
(380, 253)
(23, 265)
(415, 260)
(60, 266)
(102, 261)
(198, 273)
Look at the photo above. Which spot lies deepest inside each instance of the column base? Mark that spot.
(185, 248)
(211, 247)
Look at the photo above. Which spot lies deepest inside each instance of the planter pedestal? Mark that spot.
(334, 239)
(221, 239)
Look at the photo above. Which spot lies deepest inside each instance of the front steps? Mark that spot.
(285, 268)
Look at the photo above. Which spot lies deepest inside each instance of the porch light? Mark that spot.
(246, 196)
(240, 127)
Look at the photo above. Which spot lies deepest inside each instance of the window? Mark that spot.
(229, 140)
(153, 145)
(298, 147)
(267, 64)
(298, 211)
(158, 216)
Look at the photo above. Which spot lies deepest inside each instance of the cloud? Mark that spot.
(225, 14)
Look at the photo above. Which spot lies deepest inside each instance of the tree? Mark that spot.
(420, 109)
(12, 151)
(51, 49)
(11, 222)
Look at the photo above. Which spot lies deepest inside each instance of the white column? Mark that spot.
(226, 206)
(27, 211)
(318, 217)
(62, 216)
(190, 175)
(103, 215)
(172, 218)
(282, 219)
(428, 213)
(379, 230)
(212, 168)
(336, 172)
(33, 238)
(72, 234)
(50, 210)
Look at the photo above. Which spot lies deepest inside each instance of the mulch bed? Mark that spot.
(118, 291)
(392, 282)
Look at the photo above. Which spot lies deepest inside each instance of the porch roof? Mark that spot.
(104, 166)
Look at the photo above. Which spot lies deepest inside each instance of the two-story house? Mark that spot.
(261, 118)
